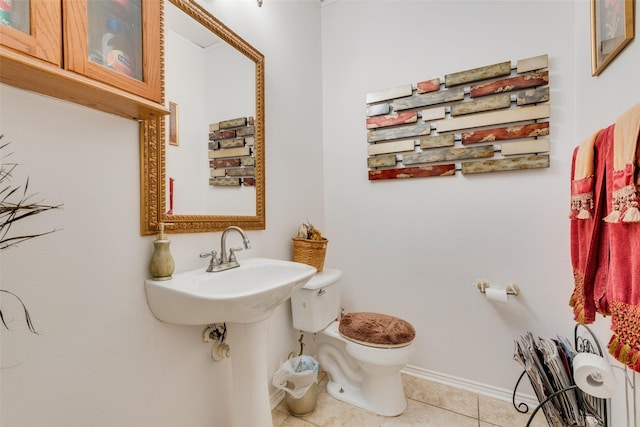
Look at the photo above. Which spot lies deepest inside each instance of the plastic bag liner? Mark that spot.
(296, 375)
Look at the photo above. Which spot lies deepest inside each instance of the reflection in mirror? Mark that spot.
(211, 82)
(203, 166)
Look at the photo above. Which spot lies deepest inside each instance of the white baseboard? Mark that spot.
(475, 387)
(275, 398)
(472, 386)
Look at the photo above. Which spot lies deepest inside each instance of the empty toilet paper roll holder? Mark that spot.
(512, 288)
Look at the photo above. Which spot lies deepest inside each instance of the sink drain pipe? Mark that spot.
(217, 333)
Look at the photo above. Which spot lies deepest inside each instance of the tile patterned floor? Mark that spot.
(429, 404)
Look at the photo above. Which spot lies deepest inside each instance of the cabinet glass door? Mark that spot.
(116, 42)
(115, 35)
(15, 14)
(32, 28)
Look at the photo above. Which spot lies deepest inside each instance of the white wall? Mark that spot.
(185, 81)
(416, 248)
(412, 248)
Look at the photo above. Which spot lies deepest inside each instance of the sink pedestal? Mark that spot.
(251, 402)
(244, 298)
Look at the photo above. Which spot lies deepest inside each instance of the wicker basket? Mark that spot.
(310, 252)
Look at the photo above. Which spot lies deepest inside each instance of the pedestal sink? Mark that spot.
(244, 298)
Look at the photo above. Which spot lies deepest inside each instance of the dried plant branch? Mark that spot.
(27, 316)
(17, 205)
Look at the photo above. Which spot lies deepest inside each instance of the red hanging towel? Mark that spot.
(589, 242)
(605, 233)
(623, 224)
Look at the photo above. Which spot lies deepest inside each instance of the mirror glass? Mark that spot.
(203, 166)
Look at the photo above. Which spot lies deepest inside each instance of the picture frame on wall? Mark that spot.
(173, 124)
(612, 28)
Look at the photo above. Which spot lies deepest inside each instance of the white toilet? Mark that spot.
(363, 357)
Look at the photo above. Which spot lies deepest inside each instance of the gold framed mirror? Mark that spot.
(240, 204)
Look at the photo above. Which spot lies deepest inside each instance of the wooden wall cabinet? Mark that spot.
(103, 54)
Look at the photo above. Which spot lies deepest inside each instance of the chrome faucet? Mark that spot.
(225, 261)
(223, 245)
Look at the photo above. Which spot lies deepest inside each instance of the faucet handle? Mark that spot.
(214, 260)
(213, 255)
(232, 254)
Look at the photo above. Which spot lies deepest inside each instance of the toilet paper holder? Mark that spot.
(511, 288)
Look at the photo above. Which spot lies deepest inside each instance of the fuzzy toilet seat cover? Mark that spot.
(376, 330)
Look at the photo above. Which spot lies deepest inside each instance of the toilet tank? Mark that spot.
(317, 303)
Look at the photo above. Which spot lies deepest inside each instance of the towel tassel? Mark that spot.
(631, 215)
(577, 297)
(635, 361)
(573, 300)
(613, 217)
(624, 205)
(622, 352)
(614, 343)
(624, 355)
(578, 313)
(578, 308)
(583, 204)
(584, 214)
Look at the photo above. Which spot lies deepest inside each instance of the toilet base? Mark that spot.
(353, 396)
(368, 378)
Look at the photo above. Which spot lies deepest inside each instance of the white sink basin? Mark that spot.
(245, 294)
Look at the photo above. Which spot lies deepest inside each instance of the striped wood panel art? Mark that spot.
(485, 119)
(231, 158)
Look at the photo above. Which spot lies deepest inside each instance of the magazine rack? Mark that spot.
(589, 405)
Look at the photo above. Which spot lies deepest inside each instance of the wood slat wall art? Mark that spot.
(506, 164)
(498, 113)
(231, 159)
(422, 171)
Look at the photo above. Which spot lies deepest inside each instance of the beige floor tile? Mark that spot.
(278, 416)
(296, 422)
(429, 404)
(503, 414)
(423, 415)
(331, 412)
(440, 395)
(417, 414)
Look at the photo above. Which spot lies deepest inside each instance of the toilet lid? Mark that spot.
(376, 330)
